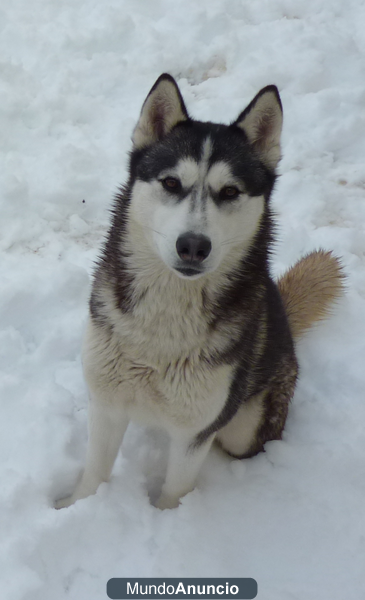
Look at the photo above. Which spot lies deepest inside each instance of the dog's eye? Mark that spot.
(229, 193)
(171, 184)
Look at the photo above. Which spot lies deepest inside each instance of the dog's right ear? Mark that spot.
(163, 108)
(262, 122)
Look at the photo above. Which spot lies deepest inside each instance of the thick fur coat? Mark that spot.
(187, 330)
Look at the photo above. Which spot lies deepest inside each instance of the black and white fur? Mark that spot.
(187, 330)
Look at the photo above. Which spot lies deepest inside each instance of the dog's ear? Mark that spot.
(163, 108)
(262, 122)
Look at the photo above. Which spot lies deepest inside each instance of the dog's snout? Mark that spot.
(193, 248)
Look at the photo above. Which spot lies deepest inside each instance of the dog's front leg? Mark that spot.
(107, 424)
(184, 464)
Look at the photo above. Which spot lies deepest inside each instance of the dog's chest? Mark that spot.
(185, 393)
(164, 328)
(162, 361)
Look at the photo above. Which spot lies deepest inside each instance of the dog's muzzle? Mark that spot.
(192, 250)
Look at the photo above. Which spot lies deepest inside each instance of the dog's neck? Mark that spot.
(176, 313)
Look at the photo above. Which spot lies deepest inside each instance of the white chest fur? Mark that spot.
(156, 359)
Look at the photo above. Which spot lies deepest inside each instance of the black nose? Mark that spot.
(193, 248)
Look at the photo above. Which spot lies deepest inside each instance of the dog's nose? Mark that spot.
(193, 248)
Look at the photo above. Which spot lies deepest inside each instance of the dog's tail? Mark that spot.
(309, 288)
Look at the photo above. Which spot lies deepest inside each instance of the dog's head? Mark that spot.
(199, 189)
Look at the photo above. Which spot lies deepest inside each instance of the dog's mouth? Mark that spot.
(189, 272)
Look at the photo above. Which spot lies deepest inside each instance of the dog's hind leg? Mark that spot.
(107, 424)
(238, 437)
(184, 464)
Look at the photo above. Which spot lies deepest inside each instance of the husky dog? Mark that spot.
(187, 329)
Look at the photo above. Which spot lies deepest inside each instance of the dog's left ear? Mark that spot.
(262, 122)
(163, 108)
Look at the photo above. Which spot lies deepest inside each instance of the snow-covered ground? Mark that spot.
(73, 77)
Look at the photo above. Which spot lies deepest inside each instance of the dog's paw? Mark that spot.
(165, 501)
(64, 502)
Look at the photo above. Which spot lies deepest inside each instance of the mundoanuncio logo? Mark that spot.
(202, 590)
(158, 588)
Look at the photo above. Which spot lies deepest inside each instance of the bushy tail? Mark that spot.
(309, 288)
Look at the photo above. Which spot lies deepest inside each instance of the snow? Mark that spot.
(74, 75)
